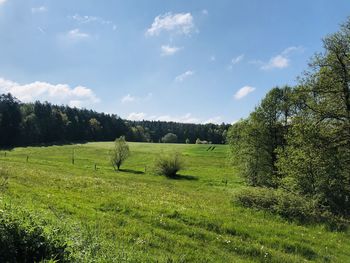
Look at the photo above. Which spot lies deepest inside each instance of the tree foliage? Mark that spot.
(169, 138)
(37, 123)
(317, 155)
(10, 118)
(253, 142)
(299, 139)
(120, 152)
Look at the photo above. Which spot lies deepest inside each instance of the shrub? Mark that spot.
(259, 198)
(289, 206)
(169, 164)
(120, 152)
(169, 138)
(23, 238)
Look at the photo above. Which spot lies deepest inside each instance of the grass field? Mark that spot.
(136, 216)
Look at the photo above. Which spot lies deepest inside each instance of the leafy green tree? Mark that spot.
(254, 141)
(316, 161)
(95, 128)
(120, 152)
(169, 138)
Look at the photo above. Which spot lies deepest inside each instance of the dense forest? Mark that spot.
(186, 132)
(298, 139)
(35, 123)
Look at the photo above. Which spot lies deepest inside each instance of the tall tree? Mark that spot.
(254, 142)
(10, 119)
(316, 161)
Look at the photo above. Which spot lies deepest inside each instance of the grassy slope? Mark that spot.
(152, 217)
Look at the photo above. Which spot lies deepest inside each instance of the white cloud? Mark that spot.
(76, 34)
(215, 120)
(184, 76)
(41, 30)
(55, 93)
(280, 61)
(39, 9)
(2, 2)
(181, 23)
(186, 118)
(129, 98)
(93, 19)
(237, 59)
(169, 50)
(244, 91)
(137, 116)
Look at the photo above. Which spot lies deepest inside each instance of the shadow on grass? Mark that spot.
(43, 144)
(183, 177)
(131, 171)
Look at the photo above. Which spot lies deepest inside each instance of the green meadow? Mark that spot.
(137, 216)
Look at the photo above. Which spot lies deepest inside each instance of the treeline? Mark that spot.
(33, 123)
(37, 123)
(298, 139)
(154, 131)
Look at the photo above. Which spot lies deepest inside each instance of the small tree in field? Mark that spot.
(120, 152)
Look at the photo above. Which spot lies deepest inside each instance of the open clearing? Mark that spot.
(136, 216)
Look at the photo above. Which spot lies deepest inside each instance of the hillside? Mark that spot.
(136, 216)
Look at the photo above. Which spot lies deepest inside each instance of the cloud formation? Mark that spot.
(39, 9)
(180, 23)
(2, 1)
(184, 76)
(280, 61)
(137, 116)
(169, 50)
(242, 92)
(129, 98)
(76, 34)
(237, 59)
(92, 19)
(215, 120)
(186, 118)
(78, 96)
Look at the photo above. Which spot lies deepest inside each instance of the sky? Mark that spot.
(185, 61)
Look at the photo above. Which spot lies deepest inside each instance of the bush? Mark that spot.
(23, 238)
(169, 165)
(198, 141)
(289, 206)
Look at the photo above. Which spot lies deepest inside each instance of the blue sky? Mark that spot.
(188, 61)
